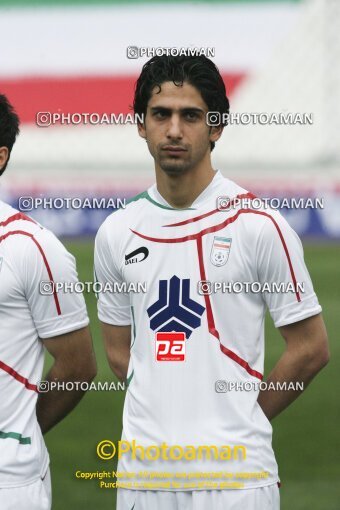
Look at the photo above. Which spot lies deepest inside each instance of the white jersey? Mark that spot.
(189, 338)
(29, 254)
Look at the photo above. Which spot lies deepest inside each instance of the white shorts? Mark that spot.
(263, 498)
(35, 496)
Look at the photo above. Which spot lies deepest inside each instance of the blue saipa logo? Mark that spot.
(175, 310)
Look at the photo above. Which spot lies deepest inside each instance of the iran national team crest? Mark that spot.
(220, 250)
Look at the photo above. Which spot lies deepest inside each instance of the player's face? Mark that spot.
(175, 128)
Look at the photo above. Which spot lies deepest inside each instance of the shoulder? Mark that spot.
(269, 232)
(229, 188)
(120, 219)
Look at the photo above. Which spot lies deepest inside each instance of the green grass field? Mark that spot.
(306, 435)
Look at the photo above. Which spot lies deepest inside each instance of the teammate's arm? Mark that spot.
(117, 345)
(305, 355)
(74, 361)
(60, 320)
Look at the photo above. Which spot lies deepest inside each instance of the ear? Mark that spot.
(3, 156)
(141, 129)
(215, 132)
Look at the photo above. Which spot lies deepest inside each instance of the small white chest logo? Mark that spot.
(220, 250)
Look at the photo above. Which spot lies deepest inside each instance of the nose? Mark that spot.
(174, 130)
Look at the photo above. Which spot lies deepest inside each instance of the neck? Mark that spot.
(180, 191)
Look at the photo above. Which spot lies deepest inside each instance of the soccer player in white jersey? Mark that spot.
(29, 323)
(178, 345)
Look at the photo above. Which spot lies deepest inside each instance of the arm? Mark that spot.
(117, 345)
(114, 309)
(73, 361)
(296, 314)
(305, 355)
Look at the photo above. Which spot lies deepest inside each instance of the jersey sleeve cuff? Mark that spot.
(62, 324)
(115, 316)
(290, 316)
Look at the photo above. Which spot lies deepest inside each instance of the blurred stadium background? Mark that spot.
(275, 56)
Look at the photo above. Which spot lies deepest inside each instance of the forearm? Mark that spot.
(55, 404)
(119, 365)
(117, 340)
(293, 367)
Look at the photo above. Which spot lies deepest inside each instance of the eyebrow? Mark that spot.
(186, 109)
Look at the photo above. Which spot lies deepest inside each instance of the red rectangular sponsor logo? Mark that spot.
(170, 346)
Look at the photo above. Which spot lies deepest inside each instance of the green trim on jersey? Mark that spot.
(129, 379)
(96, 280)
(165, 206)
(133, 326)
(15, 435)
(146, 195)
(137, 197)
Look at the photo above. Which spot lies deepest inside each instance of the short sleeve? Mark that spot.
(45, 263)
(113, 307)
(280, 260)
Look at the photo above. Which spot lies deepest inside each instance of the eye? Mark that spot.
(191, 115)
(160, 114)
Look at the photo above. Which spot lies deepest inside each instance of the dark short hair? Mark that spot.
(9, 126)
(198, 71)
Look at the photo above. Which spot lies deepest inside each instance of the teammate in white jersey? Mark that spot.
(185, 342)
(31, 260)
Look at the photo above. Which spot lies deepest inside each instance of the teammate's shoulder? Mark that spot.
(9, 213)
(13, 221)
(27, 240)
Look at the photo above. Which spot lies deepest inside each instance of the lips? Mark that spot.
(173, 149)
